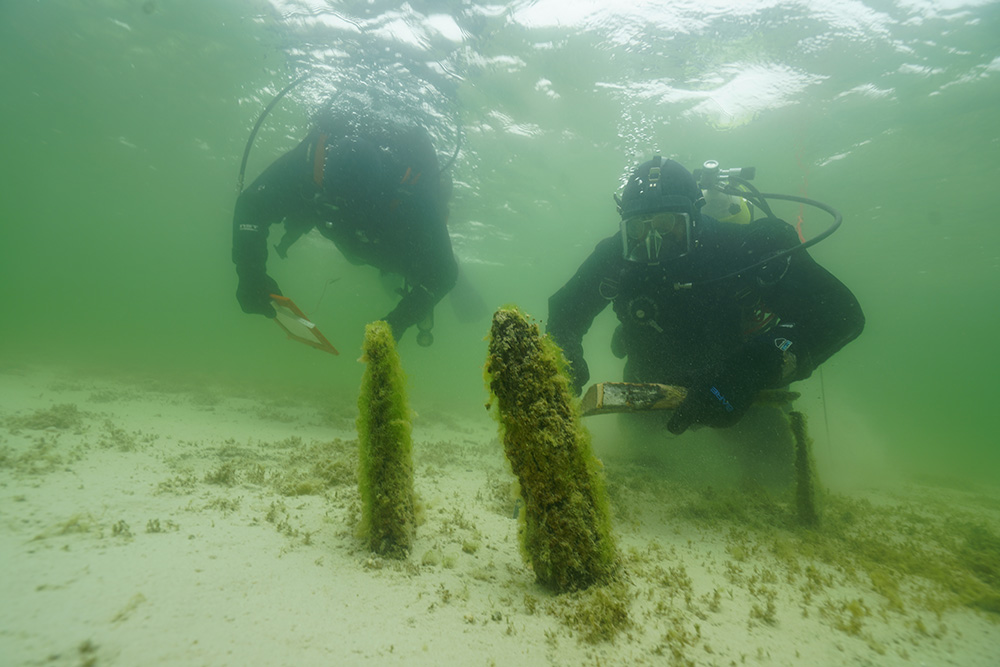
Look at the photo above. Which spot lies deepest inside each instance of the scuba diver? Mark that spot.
(725, 309)
(373, 187)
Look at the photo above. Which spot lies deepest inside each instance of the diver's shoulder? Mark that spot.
(714, 233)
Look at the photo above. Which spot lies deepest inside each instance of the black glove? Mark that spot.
(254, 293)
(416, 307)
(721, 398)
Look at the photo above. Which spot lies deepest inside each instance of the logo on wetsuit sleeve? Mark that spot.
(782, 344)
(247, 227)
(722, 399)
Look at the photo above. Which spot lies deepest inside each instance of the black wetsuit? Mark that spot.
(680, 336)
(393, 218)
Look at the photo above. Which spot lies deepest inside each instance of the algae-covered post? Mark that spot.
(566, 525)
(805, 471)
(385, 457)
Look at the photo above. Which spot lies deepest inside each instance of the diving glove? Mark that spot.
(254, 293)
(721, 398)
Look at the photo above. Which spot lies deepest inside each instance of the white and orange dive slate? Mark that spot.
(297, 326)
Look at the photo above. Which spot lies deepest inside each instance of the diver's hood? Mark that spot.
(656, 185)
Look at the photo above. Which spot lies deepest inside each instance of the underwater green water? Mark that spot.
(124, 123)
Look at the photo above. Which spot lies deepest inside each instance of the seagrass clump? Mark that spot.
(565, 525)
(385, 456)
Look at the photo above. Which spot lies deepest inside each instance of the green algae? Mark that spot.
(385, 458)
(316, 468)
(597, 614)
(64, 416)
(565, 525)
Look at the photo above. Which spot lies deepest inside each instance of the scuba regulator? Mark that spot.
(723, 205)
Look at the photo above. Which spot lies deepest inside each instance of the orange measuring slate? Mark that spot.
(297, 326)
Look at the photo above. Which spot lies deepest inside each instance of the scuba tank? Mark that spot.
(731, 190)
(725, 205)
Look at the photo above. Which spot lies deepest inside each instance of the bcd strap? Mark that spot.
(409, 179)
(408, 174)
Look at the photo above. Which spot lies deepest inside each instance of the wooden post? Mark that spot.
(565, 527)
(385, 461)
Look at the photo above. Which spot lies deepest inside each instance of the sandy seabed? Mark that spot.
(146, 522)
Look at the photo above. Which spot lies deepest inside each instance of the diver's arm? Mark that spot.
(816, 316)
(573, 308)
(277, 192)
(817, 311)
(826, 314)
(293, 232)
(431, 273)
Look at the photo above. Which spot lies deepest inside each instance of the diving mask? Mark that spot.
(650, 238)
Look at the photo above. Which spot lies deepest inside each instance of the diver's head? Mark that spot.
(659, 209)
